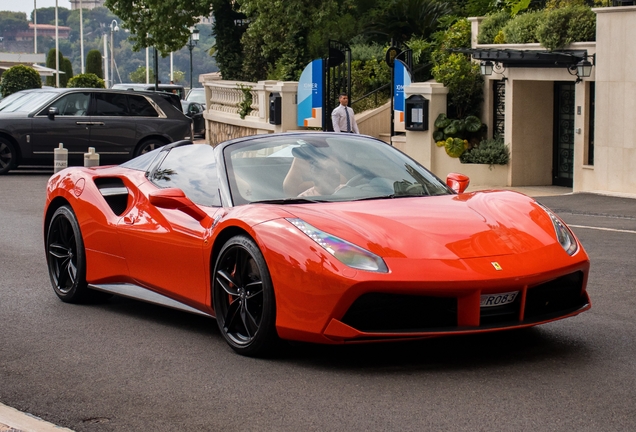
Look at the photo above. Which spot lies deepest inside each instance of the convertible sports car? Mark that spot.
(318, 237)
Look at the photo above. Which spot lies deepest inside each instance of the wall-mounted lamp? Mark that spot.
(487, 68)
(582, 69)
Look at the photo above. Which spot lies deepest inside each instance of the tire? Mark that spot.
(8, 156)
(148, 145)
(66, 259)
(244, 298)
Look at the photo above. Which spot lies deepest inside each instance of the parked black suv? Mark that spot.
(119, 124)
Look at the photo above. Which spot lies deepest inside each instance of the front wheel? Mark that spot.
(244, 298)
(8, 156)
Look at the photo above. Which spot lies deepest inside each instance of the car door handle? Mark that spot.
(97, 123)
(85, 123)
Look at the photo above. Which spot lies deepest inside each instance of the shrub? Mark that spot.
(366, 77)
(94, 63)
(523, 28)
(464, 82)
(489, 151)
(500, 38)
(87, 80)
(491, 25)
(560, 27)
(19, 77)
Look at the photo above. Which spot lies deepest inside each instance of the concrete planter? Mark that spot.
(479, 174)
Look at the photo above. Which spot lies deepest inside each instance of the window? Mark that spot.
(140, 107)
(72, 104)
(191, 168)
(110, 104)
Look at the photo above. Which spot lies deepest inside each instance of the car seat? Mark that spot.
(80, 106)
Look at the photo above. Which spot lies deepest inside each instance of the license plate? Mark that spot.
(491, 300)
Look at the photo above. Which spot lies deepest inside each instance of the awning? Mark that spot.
(527, 58)
(42, 70)
(45, 71)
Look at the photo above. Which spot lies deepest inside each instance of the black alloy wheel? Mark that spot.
(148, 146)
(8, 156)
(67, 259)
(244, 298)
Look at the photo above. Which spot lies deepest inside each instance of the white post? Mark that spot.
(105, 58)
(171, 70)
(147, 67)
(112, 59)
(57, 50)
(35, 27)
(81, 37)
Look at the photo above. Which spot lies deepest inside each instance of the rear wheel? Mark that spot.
(8, 156)
(67, 260)
(147, 146)
(244, 298)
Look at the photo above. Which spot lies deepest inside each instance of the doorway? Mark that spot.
(563, 143)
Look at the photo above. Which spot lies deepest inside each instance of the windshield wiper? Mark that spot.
(294, 200)
(391, 196)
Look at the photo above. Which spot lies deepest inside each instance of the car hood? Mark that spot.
(462, 226)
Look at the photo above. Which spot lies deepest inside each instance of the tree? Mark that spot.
(19, 77)
(178, 76)
(139, 75)
(50, 63)
(67, 68)
(141, 18)
(405, 19)
(47, 15)
(94, 63)
(228, 28)
(12, 22)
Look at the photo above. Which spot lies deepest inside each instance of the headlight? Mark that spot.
(345, 252)
(563, 233)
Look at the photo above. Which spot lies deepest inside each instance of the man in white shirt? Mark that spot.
(343, 118)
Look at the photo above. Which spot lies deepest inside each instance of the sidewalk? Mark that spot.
(532, 191)
(12, 420)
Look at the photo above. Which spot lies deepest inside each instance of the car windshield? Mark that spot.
(25, 101)
(324, 167)
(196, 95)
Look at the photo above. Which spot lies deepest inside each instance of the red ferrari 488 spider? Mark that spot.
(318, 237)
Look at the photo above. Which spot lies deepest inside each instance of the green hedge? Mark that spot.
(553, 28)
(564, 26)
(523, 28)
(19, 77)
(87, 80)
(491, 25)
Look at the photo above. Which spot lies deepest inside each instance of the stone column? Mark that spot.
(289, 104)
(420, 144)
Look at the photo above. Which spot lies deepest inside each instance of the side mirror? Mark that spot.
(457, 182)
(53, 111)
(175, 199)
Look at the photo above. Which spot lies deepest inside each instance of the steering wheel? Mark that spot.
(417, 189)
(358, 179)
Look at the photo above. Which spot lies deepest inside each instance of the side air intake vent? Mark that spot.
(115, 193)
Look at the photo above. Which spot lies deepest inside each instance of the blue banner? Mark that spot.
(401, 79)
(310, 95)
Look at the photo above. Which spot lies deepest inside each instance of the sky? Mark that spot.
(26, 6)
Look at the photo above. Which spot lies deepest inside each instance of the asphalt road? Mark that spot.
(129, 366)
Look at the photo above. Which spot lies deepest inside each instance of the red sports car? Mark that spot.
(318, 237)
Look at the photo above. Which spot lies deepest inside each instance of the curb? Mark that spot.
(12, 420)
